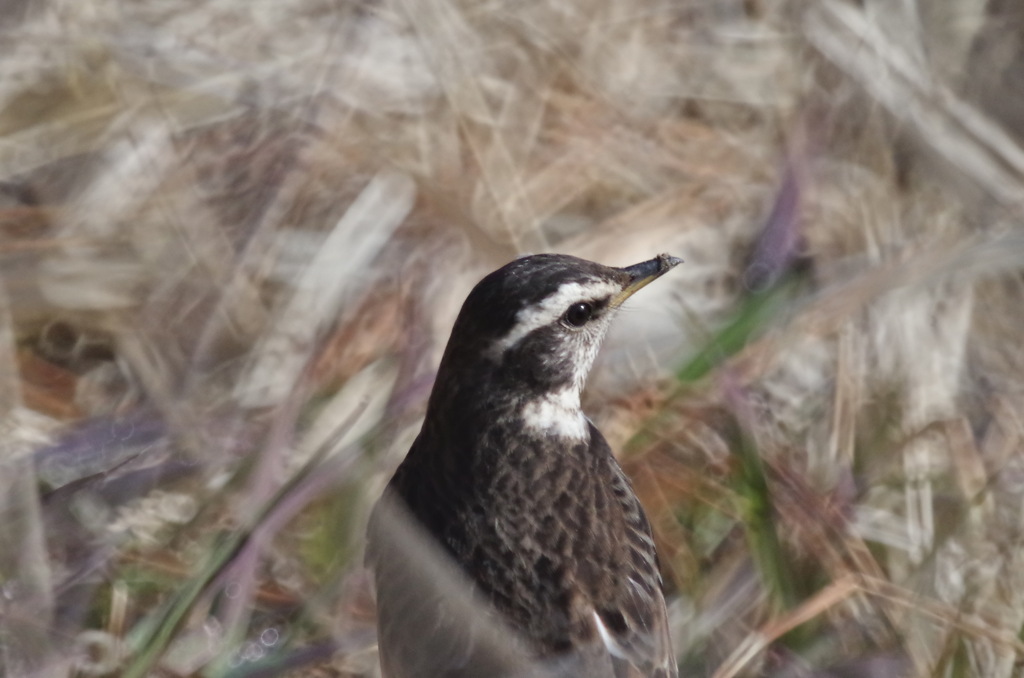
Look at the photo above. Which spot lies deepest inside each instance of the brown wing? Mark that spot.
(634, 625)
(429, 622)
(602, 616)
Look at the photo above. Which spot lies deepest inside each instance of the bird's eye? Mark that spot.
(578, 314)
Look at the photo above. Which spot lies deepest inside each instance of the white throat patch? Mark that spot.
(557, 413)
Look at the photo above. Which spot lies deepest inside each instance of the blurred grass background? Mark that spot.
(234, 236)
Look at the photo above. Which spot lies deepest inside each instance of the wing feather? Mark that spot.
(634, 625)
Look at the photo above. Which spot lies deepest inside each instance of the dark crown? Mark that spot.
(535, 325)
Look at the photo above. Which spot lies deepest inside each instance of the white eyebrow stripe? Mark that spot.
(552, 308)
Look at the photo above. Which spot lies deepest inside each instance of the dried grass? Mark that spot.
(233, 238)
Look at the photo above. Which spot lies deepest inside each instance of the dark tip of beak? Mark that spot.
(651, 269)
(643, 273)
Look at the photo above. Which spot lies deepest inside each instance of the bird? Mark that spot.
(511, 500)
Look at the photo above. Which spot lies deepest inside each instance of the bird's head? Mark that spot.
(532, 329)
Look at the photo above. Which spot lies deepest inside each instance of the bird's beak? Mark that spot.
(643, 273)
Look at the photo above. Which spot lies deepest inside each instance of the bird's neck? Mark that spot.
(470, 407)
(557, 413)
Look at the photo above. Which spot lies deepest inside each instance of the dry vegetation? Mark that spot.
(234, 234)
